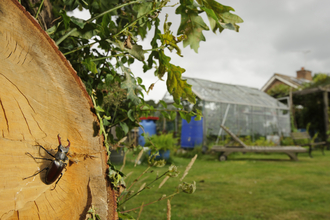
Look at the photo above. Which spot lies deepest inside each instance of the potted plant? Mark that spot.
(163, 144)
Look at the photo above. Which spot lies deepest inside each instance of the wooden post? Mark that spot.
(293, 119)
(326, 116)
(41, 96)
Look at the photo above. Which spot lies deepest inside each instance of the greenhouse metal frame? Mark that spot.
(244, 110)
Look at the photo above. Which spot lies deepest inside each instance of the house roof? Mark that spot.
(288, 80)
(232, 94)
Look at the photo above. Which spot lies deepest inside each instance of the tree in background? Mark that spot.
(102, 48)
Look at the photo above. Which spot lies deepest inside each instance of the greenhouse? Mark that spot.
(245, 111)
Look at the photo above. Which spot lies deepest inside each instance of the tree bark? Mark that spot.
(41, 96)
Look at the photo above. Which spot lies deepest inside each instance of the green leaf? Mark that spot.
(168, 39)
(143, 9)
(66, 19)
(136, 52)
(166, 115)
(107, 117)
(163, 63)
(51, 30)
(178, 87)
(188, 118)
(198, 117)
(183, 115)
(124, 216)
(78, 22)
(108, 79)
(99, 109)
(91, 66)
(130, 115)
(172, 115)
(219, 15)
(163, 103)
(191, 25)
(85, 34)
(105, 122)
(131, 86)
(179, 106)
(124, 126)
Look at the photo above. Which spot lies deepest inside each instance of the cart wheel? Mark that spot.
(222, 157)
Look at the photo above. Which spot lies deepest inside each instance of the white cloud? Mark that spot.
(271, 40)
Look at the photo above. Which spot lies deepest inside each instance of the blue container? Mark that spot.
(162, 155)
(191, 133)
(149, 127)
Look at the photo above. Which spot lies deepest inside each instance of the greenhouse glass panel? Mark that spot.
(245, 111)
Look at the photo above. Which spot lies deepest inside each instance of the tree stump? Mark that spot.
(41, 96)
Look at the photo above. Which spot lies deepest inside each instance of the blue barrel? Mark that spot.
(149, 127)
(191, 133)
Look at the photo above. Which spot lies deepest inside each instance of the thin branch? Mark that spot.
(135, 181)
(165, 110)
(111, 10)
(92, 19)
(102, 127)
(39, 9)
(65, 36)
(133, 22)
(159, 177)
(79, 48)
(166, 197)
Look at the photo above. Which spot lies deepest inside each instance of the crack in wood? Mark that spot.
(26, 55)
(50, 203)
(39, 126)
(6, 119)
(14, 51)
(37, 206)
(9, 55)
(19, 91)
(19, 56)
(15, 47)
(28, 126)
(78, 133)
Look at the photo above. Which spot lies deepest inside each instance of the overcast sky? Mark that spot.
(276, 37)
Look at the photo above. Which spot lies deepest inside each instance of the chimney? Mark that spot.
(304, 74)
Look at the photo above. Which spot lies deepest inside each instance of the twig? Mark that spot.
(166, 197)
(79, 48)
(188, 167)
(92, 19)
(39, 9)
(143, 188)
(168, 214)
(140, 211)
(135, 181)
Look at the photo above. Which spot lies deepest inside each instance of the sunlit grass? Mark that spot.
(250, 186)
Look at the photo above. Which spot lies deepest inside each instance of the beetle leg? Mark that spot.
(36, 173)
(46, 151)
(60, 176)
(27, 153)
(57, 181)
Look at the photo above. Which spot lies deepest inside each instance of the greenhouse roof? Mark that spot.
(227, 93)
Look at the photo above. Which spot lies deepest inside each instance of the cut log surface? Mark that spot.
(41, 96)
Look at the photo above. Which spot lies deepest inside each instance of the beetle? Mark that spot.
(55, 168)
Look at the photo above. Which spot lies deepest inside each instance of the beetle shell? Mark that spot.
(54, 171)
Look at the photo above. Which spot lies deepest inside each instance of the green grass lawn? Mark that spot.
(250, 186)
